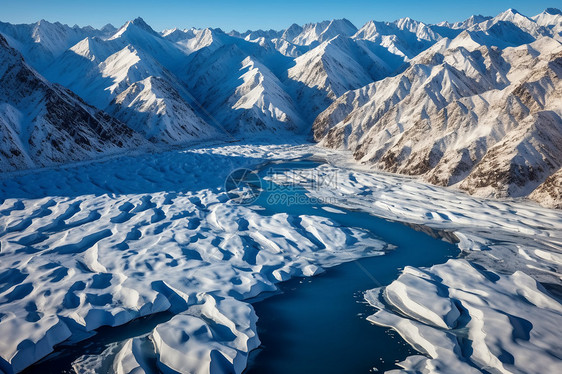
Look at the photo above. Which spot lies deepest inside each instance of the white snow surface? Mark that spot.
(483, 311)
(103, 243)
(117, 240)
(506, 320)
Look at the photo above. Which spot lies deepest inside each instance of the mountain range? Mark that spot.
(474, 104)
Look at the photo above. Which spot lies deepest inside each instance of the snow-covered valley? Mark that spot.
(162, 207)
(475, 104)
(104, 243)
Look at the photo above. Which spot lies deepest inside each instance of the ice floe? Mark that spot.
(463, 318)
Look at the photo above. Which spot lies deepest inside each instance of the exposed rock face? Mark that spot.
(549, 193)
(475, 104)
(464, 113)
(43, 124)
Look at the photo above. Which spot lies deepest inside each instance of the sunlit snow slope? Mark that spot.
(474, 104)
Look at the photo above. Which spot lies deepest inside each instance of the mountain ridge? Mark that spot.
(184, 85)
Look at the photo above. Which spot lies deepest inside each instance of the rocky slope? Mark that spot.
(474, 104)
(42, 124)
(465, 112)
(549, 193)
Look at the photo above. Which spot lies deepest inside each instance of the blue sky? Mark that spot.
(253, 14)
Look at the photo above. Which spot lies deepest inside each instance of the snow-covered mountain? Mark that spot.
(133, 75)
(471, 103)
(551, 19)
(41, 42)
(405, 37)
(43, 124)
(85, 248)
(463, 113)
(99, 69)
(332, 68)
(155, 109)
(315, 33)
(469, 22)
(248, 83)
(239, 83)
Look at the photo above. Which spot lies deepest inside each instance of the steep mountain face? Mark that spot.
(201, 69)
(43, 124)
(352, 60)
(106, 73)
(332, 68)
(192, 40)
(241, 93)
(155, 109)
(99, 69)
(40, 43)
(134, 75)
(258, 81)
(316, 33)
(251, 34)
(471, 21)
(464, 113)
(551, 19)
(474, 104)
(549, 193)
(262, 102)
(404, 38)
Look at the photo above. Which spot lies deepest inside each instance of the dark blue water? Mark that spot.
(314, 325)
(318, 324)
(60, 361)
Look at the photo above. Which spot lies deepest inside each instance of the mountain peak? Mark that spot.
(477, 17)
(405, 20)
(108, 27)
(138, 23)
(341, 21)
(511, 11)
(407, 23)
(343, 25)
(292, 31)
(512, 15)
(553, 11)
(294, 28)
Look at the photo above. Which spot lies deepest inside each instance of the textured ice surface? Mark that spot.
(488, 312)
(500, 323)
(104, 243)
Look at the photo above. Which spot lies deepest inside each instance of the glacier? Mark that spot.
(132, 236)
(115, 145)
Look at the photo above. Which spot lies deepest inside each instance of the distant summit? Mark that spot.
(553, 11)
(362, 88)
